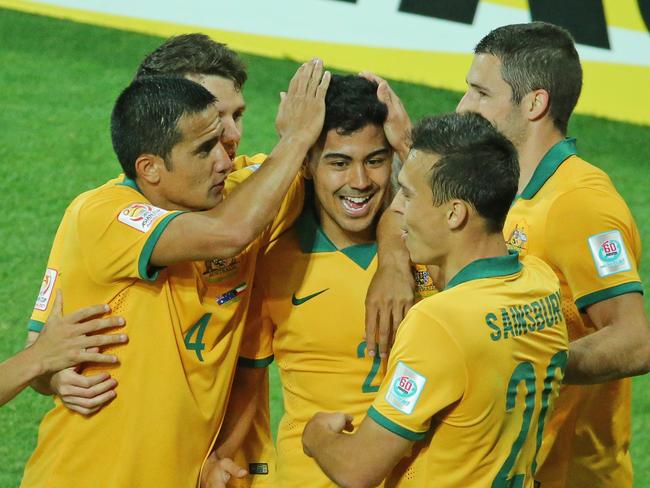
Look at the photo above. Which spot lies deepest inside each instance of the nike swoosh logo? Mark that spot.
(299, 301)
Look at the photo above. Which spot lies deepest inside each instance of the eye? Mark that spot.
(238, 115)
(339, 164)
(376, 162)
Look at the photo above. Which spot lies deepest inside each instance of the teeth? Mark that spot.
(357, 199)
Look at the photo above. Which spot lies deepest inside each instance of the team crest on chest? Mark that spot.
(218, 270)
(518, 240)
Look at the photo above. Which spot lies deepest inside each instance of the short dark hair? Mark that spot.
(146, 115)
(477, 164)
(351, 103)
(538, 55)
(194, 54)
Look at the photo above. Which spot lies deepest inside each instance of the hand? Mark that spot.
(328, 422)
(64, 341)
(390, 295)
(217, 472)
(83, 394)
(398, 125)
(302, 108)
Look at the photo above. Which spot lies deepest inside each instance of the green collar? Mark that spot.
(487, 268)
(312, 240)
(130, 183)
(549, 165)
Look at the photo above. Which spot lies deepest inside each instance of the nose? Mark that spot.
(397, 205)
(222, 162)
(231, 133)
(463, 104)
(359, 178)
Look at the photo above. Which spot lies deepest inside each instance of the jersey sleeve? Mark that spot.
(256, 350)
(117, 236)
(593, 241)
(242, 162)
(426, 374)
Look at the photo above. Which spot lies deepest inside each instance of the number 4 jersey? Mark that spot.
(175, 372)
(473, 376)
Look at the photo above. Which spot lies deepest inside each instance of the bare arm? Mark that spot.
(241, 410)
(618, 349)
(358, 460)
(62, 343)
(227, 229)
(392, 290)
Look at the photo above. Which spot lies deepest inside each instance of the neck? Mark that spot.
(342, 238)
(155, 198)
(471, 248)
(535, 145)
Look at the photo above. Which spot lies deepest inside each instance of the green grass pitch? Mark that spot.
(58, 83)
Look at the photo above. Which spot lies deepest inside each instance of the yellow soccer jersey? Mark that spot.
(309, 311)
(571, 216)
(184, 323)
(473, 373)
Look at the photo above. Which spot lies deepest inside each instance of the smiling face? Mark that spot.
(231, 105)
(489, 95)
(351, 174)
(424, 225)
(198, 165)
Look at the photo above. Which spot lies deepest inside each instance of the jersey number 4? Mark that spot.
(197, 345)
(524, 372)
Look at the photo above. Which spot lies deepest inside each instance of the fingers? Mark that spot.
(368, 75)
(230, 468)
(95, 357)
(349, 427)
(88, 400)
(371, 329)
(316, 76)
(324, 84)
(385, 317)
(84, 314)
(99, 324)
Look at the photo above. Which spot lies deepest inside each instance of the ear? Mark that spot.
(537, 104)
(457, 214)
(149, 167)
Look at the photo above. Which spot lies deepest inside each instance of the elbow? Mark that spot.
(644, 359)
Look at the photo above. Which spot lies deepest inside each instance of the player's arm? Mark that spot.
(359, 460)
(242, 406)
(618, 349)
(392, 290)
(62, 343)
(233, 224)
(607, 289)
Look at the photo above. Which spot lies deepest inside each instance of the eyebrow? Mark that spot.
(477, 86)
(336, 156)
(378, 152)
(207, 146)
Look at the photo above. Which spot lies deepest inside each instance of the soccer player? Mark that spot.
(134, 243)
(62, 344)
(308, 308)
(526, 79)
(476, 368)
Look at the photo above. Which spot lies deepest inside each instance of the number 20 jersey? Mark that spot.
(473, 375)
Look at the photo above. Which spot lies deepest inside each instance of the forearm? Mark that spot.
(253, 204)
(336, 455)
(16, 373)
(391, 250)
(605, 355)
(242, 407)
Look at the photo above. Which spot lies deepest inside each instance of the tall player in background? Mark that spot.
(476, 367)
(308, 306)
(526, 79)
